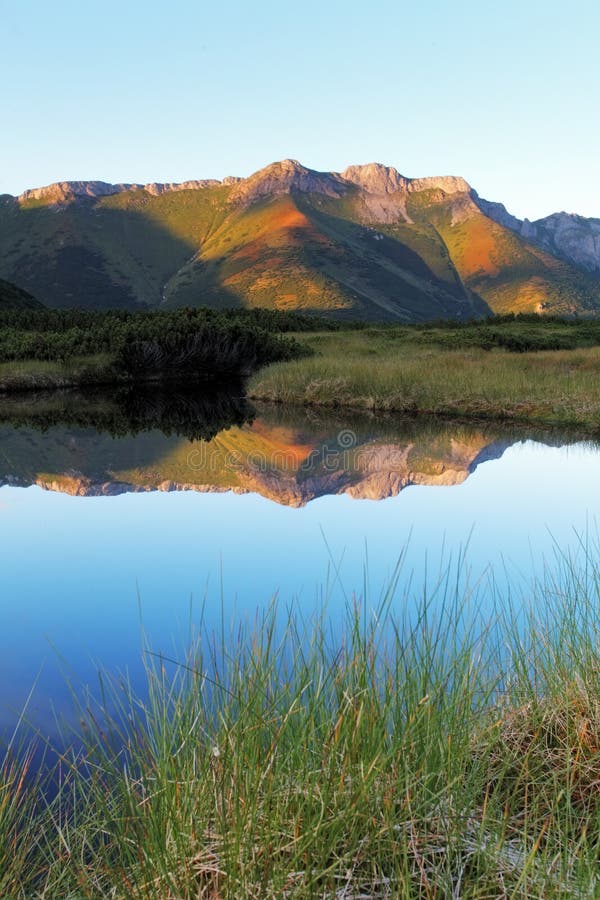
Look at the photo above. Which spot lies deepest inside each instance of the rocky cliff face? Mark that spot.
(69, 191)
(573, 237)
(65, 192)
(448, 184)
(375, 178)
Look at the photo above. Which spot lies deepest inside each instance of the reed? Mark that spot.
(446, 747)
(365, 370)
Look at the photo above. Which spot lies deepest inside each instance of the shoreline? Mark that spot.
(352, 371)
(461, 414)
(379, 372)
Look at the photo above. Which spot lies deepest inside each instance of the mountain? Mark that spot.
(364, 243)
(13, 297)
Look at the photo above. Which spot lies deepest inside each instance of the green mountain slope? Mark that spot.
(367, 243)
(508, 272)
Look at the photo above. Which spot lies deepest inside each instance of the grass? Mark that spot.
(34, 374)
(414, 372)
(449, 751)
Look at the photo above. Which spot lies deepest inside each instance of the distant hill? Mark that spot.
(12, 297)
(365, 243)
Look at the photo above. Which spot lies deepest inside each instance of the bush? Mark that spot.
(212, 351)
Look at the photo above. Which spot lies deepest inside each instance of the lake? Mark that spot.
(126, 519)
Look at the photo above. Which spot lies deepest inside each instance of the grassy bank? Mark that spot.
(412, 372)
(445, 752)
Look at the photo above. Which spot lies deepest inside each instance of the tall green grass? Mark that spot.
(447, 748)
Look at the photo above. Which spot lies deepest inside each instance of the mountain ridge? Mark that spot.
(366, 243)
(280, 176)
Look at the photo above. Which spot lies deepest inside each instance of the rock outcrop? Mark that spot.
(63, 192)
(376, 179)
(67, 191)
(284, 177)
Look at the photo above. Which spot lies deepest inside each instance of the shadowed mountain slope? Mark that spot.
(13, 297)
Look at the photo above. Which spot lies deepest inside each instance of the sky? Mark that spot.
(503, 93)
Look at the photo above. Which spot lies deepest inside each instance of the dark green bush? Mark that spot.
(211, 351)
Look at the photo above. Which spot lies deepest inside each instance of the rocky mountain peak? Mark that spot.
(156, 188)
(449, 184)
(275, 179)
(283, 177)
(573, 238)
(66, 191)
(376, 178)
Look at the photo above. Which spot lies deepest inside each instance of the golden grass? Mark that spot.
(363, 370)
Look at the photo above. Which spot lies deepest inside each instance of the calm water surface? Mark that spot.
(133, 526)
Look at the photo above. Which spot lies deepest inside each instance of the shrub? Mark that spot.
(215, 351)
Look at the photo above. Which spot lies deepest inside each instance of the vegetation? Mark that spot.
(40, 375)
(522, 368)
(444, 750)
(500, 369)
(109, 329)
(100, 348)
(525, 332)
(525, 368)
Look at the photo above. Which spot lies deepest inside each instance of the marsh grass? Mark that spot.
(36, 374)
(449, 747)
(368, 371)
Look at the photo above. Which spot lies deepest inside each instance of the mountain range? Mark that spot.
(366, 243)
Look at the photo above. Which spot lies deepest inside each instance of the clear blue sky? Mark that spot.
(503, 93)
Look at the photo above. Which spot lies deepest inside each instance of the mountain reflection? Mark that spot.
(99, 444)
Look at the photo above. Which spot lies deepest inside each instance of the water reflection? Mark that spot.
(82, 580)
(94, 444)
